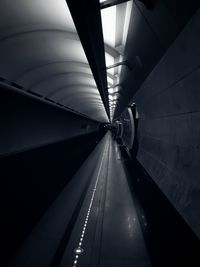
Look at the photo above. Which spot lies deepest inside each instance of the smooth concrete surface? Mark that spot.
(122, 240)
(151, 32)
(112, 235)
(169, 113)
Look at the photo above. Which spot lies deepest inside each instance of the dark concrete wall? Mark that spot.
(28, 123)
(150, 34)
(169, 131)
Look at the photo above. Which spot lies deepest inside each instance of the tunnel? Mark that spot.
(100, 133)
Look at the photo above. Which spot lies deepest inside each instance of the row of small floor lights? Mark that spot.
(79, 249)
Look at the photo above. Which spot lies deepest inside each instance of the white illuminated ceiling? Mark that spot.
(40, 50)
(108, 16)
(115, 24)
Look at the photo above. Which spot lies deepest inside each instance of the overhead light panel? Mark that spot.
(115, 25)
(108, 17)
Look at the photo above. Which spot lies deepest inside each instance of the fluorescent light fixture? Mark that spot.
(109, 61)
(115, 25)
(120, 67)
(110, 80)
(112, 98)
(108, 17)
(113, 90)
(115, 95)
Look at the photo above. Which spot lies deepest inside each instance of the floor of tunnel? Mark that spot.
(107, 229)
(109, 223)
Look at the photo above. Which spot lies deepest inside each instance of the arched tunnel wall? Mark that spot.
(168, 129)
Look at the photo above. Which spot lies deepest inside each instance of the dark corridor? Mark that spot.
(99, 133)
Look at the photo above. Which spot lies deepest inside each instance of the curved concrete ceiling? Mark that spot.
(41, 51)
(30, 75)
(48, 84)
(64, 92)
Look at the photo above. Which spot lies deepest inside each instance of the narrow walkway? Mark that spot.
(107, 232)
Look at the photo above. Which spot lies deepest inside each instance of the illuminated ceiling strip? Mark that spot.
(112, 38)
(109, 25)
